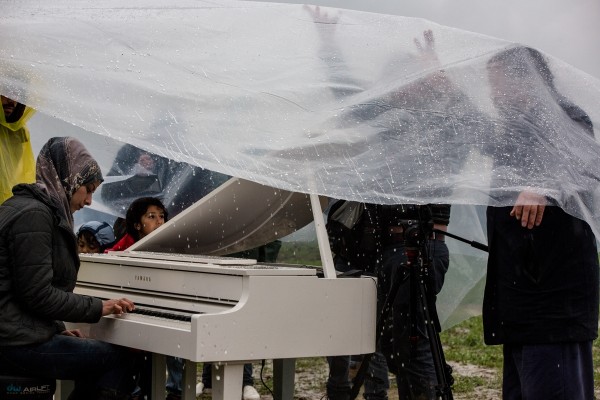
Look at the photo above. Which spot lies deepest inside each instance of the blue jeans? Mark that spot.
(175, 375)
(555, 371)
(247, 379)
(92, 364)
(338, 382)
(377, 382)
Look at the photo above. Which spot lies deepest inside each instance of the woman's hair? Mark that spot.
(137, 209)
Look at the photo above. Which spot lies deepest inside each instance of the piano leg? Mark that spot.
(227, 381)
(159, 377)
(188, 386)
(284, 374)
(63, 389)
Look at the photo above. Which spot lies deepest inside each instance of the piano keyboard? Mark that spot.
(162, 313)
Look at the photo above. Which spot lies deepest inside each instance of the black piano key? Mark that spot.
(162, 314)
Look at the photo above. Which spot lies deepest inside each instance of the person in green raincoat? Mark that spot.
(17, 163)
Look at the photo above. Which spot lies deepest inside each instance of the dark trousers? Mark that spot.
(560, 371)
(92, 364)
(376, 381)
(404, 339)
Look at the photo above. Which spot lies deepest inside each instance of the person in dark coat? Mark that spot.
(38, 272)
(541, 294)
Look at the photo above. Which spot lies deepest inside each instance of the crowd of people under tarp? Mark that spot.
(541, 295)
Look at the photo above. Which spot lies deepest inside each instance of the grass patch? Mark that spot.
(477, 367)
(303, 253)
(473, 385)
(464, 344)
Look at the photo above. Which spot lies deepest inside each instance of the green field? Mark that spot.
(306, 253)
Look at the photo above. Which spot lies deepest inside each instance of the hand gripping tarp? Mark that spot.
(351, 105)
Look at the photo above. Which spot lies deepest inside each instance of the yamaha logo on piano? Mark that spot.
(142, 278)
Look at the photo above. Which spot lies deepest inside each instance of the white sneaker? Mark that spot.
(199, 388)
(249, 393)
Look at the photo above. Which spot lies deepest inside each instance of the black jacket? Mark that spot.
(542, 283)
(38, 271)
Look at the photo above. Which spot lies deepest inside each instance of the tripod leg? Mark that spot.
(442, 370)
(406, 306)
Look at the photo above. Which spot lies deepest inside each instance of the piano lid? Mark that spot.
(238, 215)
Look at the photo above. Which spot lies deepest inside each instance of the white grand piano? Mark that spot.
(194, 303)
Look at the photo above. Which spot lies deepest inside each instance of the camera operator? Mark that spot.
(374, 242)
(404, 341)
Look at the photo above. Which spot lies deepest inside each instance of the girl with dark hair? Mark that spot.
(143, 216)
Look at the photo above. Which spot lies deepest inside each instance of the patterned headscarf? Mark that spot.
(63, 166)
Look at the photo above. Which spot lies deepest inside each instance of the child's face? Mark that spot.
(154, 217)
(87, 243)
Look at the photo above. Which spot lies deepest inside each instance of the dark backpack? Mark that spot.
(356, 245)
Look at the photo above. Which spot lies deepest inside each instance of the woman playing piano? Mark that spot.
(38, 271)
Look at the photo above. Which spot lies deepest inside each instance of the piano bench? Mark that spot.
(26, 388)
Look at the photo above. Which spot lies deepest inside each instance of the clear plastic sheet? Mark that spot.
(346, 104)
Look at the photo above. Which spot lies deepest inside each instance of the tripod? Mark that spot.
(421, 308)
(416, 246)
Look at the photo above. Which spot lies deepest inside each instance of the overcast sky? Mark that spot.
(566, 29)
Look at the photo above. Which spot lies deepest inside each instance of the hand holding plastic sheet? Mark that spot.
(214, 85)
(353, 105)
